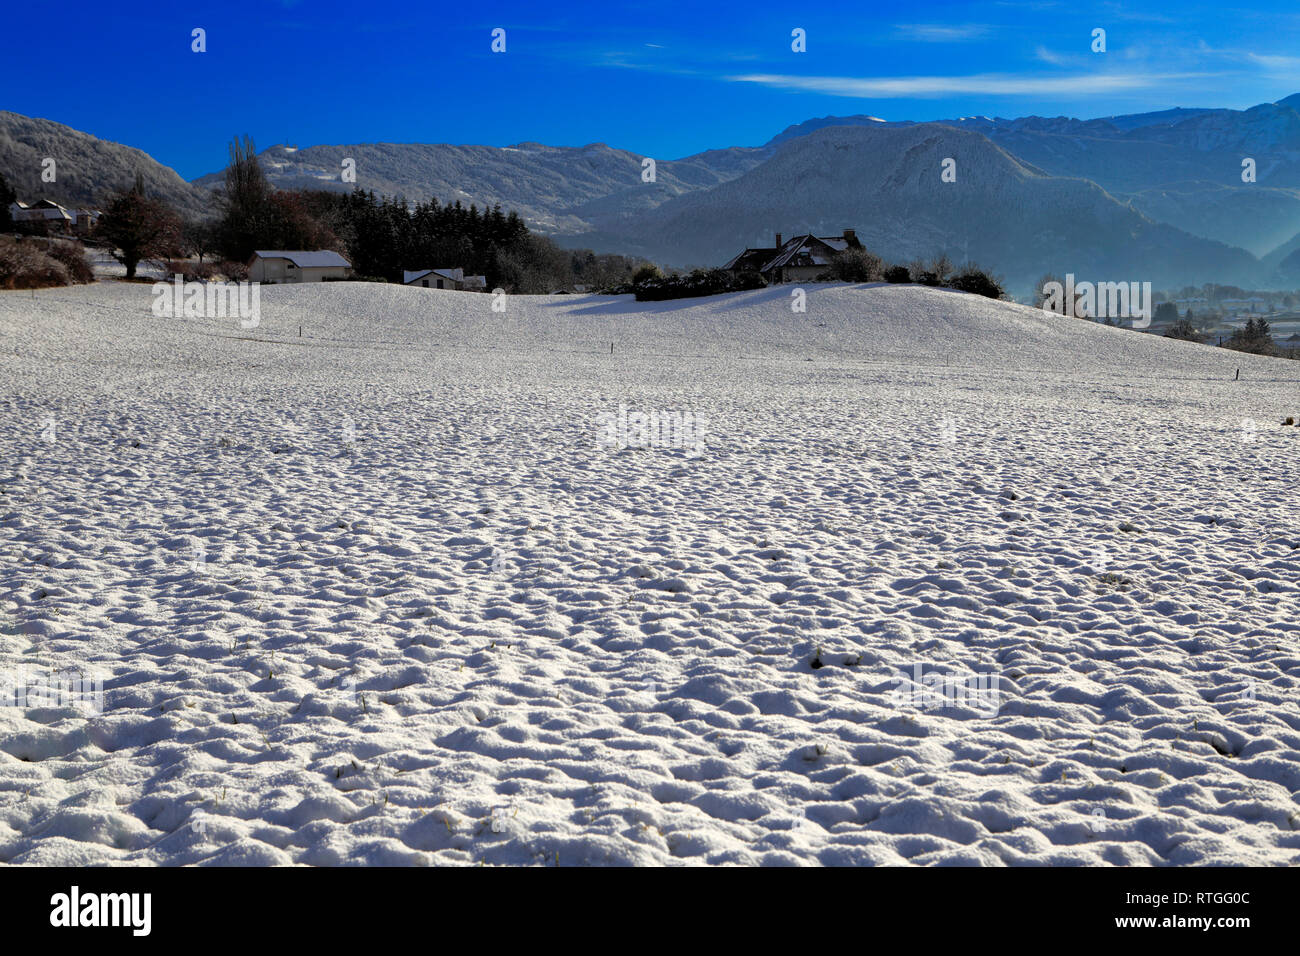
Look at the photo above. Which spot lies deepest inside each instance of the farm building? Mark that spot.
(43, 213)
(279, 265)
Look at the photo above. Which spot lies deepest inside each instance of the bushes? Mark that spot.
(30, 265)
(698, 283)
(189, 271)
(971, 278)
(1183, 329)
(74, 260)
(233, 271)
(1256, 337)
(856, 264)
(937, 272)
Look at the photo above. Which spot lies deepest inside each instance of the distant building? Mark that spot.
(43, 212)
(279, 265)
(1255, 304)
(454, 279)
(799, 259)
(84, 220)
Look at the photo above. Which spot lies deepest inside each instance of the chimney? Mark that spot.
(778, 240)
(851, 236)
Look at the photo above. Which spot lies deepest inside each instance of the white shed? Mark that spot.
(280, 265)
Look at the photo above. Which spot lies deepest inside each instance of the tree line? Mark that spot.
(381, 236)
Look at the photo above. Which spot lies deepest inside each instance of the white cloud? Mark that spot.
(987, 84)
(1275, 62)
(941, 33)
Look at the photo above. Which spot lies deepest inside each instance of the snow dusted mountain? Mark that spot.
(1034, 194)
(884, 180)
(557, 189)
(87, 168)
(1179, 166)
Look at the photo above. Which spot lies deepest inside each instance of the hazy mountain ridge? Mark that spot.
(884, 181)
(1171, 164)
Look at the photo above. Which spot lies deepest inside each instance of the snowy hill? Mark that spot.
(87, 168)
(364, 585)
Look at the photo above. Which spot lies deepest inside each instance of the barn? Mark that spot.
(281, 265)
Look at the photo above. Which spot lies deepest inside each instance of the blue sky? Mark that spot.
(662, 78)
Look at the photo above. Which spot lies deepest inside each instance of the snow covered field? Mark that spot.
(377, 594)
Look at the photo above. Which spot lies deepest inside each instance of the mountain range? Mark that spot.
(1154, 196)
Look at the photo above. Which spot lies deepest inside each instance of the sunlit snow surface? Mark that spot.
(377, 594)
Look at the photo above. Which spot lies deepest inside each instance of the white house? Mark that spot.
(280, 265)
(443, 279)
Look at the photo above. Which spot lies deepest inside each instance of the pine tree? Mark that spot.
(7, 196)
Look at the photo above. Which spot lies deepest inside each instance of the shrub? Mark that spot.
(936, 272)
(856, 264)
(897, 274)
(1256, 337)
(1183, 329)
(189, 271)
(233, 271)
(976, 281)
(24, 265)
(74, 260)
(698, 283)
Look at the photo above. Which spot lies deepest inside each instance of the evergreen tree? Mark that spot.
(7, 196)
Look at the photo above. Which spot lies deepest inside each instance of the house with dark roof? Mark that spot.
(800, 259)
(296, 265)
(43, 215)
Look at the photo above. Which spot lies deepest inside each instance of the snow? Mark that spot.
(379, 594)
